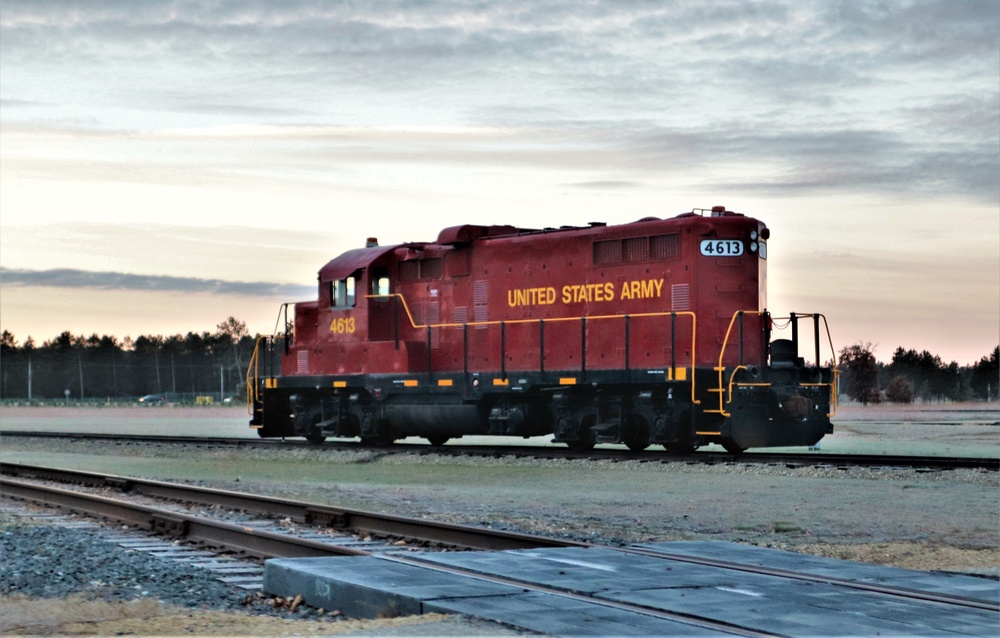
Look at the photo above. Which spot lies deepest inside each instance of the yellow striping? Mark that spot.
(709, 433)
(340, 384)
(410, 383)
(256, 427)
(495, 322)
(445, 383)
(567, 380)
(501, 381)
(270, 383)
(679, 374)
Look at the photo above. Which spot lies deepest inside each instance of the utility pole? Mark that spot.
(222, 385)
(79, 361)
(159, 384)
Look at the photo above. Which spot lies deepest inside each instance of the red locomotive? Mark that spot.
(653, 332)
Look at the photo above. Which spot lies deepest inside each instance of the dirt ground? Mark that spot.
(23, 616)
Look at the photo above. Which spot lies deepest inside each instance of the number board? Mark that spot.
(721, 247)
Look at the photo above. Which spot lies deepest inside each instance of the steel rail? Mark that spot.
(791, 459)
(890, 590)
(688, 619)
(253, 542)
(448, 534)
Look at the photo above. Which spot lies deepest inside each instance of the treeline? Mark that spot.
(912, 376)
(177, 368)
(214, 364)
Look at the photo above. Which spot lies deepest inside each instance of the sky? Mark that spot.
(165, 165)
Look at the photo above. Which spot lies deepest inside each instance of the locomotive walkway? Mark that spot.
(550, 586)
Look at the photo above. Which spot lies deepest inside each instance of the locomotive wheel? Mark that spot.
(315, 436)
(585, 440)
(437, 441)
(679, 448)
(381, 436)
(581, 446)
(637, 445)
(382, 440)
(635, 435)
(732, 448)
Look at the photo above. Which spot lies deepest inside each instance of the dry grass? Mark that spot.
(920, 556)
(76, 616)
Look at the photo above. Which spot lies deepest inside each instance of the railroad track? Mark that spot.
(221, 536)
(259, 543)
(789, 459)
(264, 545)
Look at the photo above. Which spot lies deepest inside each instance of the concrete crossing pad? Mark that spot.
(602, 591)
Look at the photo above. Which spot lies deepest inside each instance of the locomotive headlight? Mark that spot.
(753, 246)
(753, 234)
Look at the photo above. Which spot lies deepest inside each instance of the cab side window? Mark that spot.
(380, 281)
(342, 293)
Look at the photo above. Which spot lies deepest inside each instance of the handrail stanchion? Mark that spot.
(429, 362)
(541, 346)
(465, 352)
(765, 346)
(673, 346)
(795, 333)
(741, 337)
(628, 370)
(395, 321)
(503, 350)
(816, 337)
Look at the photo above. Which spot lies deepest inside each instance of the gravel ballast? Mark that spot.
(103, 589)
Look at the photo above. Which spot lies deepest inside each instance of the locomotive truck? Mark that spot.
(654, 332)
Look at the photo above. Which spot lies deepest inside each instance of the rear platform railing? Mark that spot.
(724, 390)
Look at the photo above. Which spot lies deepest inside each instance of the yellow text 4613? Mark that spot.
(342, 325)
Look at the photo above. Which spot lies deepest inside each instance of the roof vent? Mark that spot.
(718, 211)
(371, 242)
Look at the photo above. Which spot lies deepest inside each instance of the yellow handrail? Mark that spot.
(694, 321)
(253, 375)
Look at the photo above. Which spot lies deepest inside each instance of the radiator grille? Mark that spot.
(480, 297)
(680, 297)
(655, 247)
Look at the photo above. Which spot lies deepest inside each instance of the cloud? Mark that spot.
(880, 97)
(791, 161)
(129, 282)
